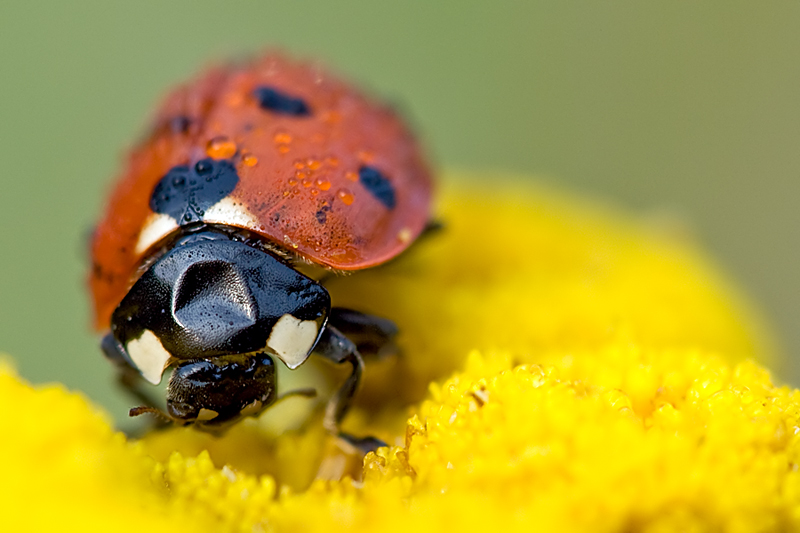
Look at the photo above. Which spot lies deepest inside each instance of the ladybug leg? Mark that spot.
(431, 228)
(127, 376)
(335, 347)
(305, 392)
(372, 335)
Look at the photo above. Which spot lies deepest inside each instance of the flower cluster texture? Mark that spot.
(561, 367)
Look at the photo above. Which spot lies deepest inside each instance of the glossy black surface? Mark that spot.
(210, 296)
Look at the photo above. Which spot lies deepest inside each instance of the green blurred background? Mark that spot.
(691, 108)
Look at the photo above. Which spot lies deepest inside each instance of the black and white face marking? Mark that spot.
(211, 296)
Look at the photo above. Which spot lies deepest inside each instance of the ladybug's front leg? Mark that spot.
(335, 347)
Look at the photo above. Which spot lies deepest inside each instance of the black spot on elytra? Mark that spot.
(185, 192)
(376, 183)
(271, 99)
(322, 214)
(179, 124)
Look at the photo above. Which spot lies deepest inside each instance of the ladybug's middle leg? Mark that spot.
(335, 347)
(372, 335)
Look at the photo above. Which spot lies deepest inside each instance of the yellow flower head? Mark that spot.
(562, 368)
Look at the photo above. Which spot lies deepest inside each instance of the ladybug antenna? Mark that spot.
(158, 413)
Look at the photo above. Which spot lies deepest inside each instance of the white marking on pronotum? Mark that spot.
(231, 212)
(149, 356)
(226, 211)
(156, 227)
(292, 339)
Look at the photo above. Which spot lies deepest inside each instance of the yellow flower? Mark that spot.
(563, 368)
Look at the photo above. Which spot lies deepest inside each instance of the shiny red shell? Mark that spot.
(290, 169)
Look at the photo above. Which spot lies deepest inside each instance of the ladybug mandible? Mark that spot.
(253, 181)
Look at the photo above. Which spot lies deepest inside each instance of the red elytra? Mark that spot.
(290, 169)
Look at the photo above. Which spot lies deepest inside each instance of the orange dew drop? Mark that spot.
(307, 182)
(332, 116)
(314, 192)
(323, 184)
(313, 164)
(345, 255)
(250, 160)
(283, 148)
(292, 182)
(332, 161)
(345, 196)
(282, 138)
(299, 164)
(220, 148)
(365, 156)
(352, 176)
(286, 193)
(235, 99)
(299, 174)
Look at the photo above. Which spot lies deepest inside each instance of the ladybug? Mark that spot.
(255, 183)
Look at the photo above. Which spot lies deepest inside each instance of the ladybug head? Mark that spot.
(213, 393)
(209, 298)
